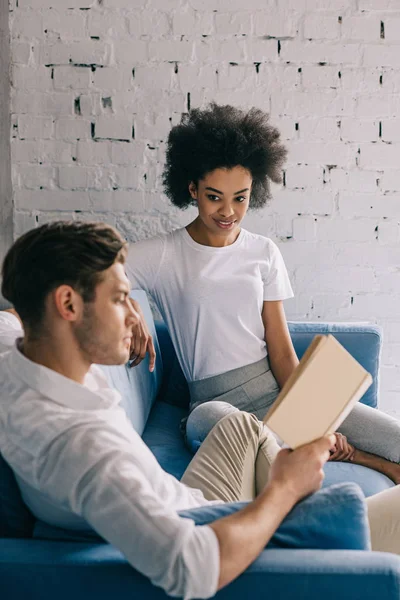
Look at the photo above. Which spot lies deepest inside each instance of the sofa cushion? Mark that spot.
(162, 435)
(137, 386)
(331, 519)
(16, 521)
(371, 482)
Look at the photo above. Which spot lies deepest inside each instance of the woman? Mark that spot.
(220, 288)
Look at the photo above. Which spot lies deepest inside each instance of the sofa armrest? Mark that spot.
(42, 570)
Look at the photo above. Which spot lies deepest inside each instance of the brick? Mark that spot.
(390, 80)
(346, 231)
(392, 28)
(379, 156)
(304, 229)
(23, 221)
(63, 4)
(277, 24)
(215, 51)
(321, 153)
(155, 77)
(131, 53)
(147, 21)
(305, 203)
(35, 127)
(110, 24)
(316, 52)
(113, 128)
(36, 177)
(366, 28)
(73, 129)
(257, 50)
(232, 5)
(376, 106)
(391, 130)
(381, 56)
(389, 233)
(359, 130)
(51, 199)
(234, 23)
(20, 52)
(51, 151)
(93, 152)
(352, 280)
(24, 77)
(111, 78)
(234, 77)
(120, 201)
(127, 154)
(376, 306)
(76, 78)
(381, 5)
(169, 50)
(317, 77)
(326, 103)
(76, 177)
(361, 80)
(88, 52)
(56, 104)
(319, 27)
(24, 26)
(354, 181)
(24, 151)
(65, 24)
(369, 205)
(303, 177)
(318, 129)
(203, 76)
(389, 180)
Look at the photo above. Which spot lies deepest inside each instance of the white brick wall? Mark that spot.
(98, 83)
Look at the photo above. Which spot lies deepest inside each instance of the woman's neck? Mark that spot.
(201, 235)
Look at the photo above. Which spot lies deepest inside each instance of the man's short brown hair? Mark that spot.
(63, 252)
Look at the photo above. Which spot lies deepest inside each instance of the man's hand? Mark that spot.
(342, 451)
(300, 471)
(142, 341)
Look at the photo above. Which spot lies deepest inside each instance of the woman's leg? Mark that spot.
(376, 436)
(202, 419)
(384, 520)
(225, 466)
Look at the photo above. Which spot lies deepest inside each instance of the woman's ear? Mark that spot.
(193, 190)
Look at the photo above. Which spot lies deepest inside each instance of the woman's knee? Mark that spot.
(203, 418)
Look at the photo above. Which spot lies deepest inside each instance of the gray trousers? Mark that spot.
(253, 389)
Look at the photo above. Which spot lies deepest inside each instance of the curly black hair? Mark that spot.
(222, 137)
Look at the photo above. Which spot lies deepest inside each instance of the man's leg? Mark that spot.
(238, 450)
(376, 436)
(384, 520)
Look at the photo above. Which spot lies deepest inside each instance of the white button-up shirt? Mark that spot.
(79, 461)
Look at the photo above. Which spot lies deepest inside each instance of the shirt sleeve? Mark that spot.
(93, 471)
(144, 261)
(275, 278)
(10, 330)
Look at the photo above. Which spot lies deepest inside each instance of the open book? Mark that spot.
(319, 394)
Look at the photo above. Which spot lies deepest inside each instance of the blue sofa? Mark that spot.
(40, 562)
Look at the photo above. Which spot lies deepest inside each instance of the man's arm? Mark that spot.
(243, 535)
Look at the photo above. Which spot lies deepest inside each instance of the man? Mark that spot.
(78, 460)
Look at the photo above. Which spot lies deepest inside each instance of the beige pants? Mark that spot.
(233, 465)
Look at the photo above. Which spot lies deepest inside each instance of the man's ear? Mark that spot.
(67, 302)
(193, 190)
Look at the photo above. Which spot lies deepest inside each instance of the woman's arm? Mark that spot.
(282, 356)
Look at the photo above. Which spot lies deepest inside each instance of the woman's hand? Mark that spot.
(342, 450)
(142, 340)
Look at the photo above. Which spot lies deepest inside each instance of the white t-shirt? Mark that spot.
(211, 298)
(78, 461)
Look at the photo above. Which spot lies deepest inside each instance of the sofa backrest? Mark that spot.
(137, 386)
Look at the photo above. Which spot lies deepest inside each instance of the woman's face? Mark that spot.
(223, 199)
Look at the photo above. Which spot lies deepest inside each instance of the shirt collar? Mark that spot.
(94, 394)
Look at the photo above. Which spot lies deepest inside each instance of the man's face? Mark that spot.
(104, 332)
